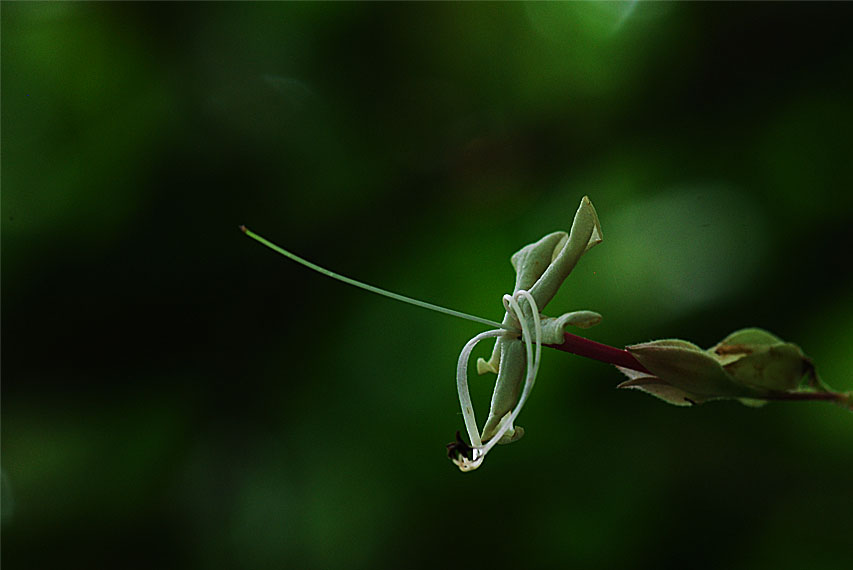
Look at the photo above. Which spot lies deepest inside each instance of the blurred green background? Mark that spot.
(175, 395)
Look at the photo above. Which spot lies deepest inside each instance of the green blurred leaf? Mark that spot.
(750, 365)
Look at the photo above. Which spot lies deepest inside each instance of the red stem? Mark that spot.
(597, 351)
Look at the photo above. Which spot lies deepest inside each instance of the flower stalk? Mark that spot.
(581, 346)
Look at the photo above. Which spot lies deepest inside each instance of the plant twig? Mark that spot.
(840, 398)
(598, 351)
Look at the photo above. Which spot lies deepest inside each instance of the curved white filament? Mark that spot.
(462, 386)
(532, 360)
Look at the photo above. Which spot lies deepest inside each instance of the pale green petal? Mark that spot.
(531, 261)
(511, 375)
(542, 266)
(493, 363)
(553, 329)
(585, 233)
(490, 365)
(513, 434)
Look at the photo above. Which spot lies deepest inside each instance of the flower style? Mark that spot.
(541, 268)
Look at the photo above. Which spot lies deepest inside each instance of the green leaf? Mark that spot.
(750, 336)
(685, 366)
(752, 366)
(757, 359)
(741, 343)
(780, 367)
(658, 388)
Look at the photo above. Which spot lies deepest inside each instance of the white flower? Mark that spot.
(541, 268)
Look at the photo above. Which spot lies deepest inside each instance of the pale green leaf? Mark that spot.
(686, 366)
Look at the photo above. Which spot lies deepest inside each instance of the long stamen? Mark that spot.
(462, 386)
(537, 328)
(371, 288)
(532, 361)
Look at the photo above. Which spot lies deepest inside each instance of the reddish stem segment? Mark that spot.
(601, 352)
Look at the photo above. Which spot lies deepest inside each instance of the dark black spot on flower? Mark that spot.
(458, 449)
